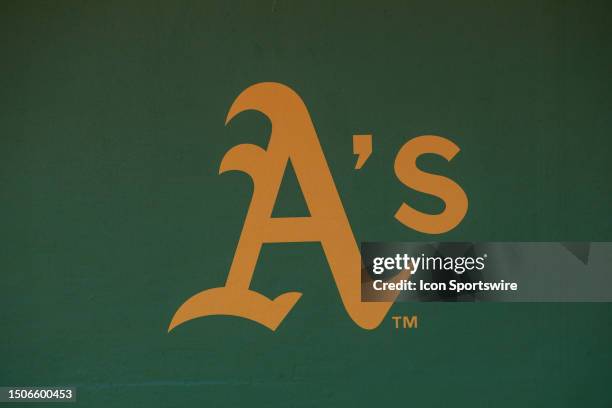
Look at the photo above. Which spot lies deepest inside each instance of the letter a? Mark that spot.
(293, 138)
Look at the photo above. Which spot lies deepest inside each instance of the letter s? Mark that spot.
(406, 170)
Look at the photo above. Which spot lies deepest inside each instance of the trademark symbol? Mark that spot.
(406, 322)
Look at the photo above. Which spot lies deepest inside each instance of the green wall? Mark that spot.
(112, 212)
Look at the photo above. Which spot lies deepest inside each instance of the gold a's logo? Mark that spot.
(294, 139)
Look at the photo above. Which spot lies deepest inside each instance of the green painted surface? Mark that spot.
(111, 134)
